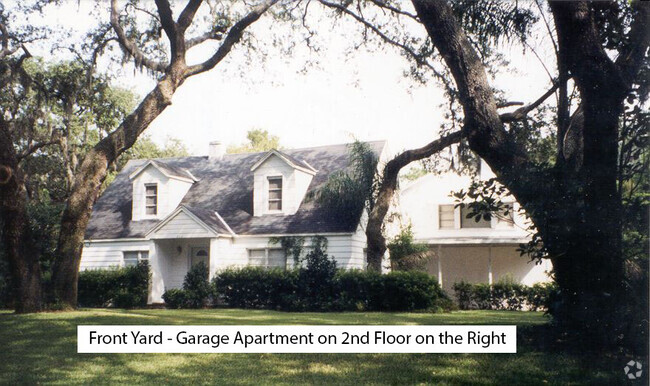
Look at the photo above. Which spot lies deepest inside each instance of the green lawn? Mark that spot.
(41, 348)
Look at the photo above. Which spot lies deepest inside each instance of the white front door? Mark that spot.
(200, 254)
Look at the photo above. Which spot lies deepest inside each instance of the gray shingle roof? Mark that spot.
(225, 186)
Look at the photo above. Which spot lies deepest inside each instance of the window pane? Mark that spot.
(130, 258)
(275, 194)
(471, 222)
(275, 183)
(151, 210)
(277, 258)
(257, 257)
(446, 216)
(275, 205)
(506, 217)
(152, 200)
(144, 255)
(151, 190)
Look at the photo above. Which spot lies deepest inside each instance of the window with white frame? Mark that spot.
(446, 216)
(470, 222)
(132, 258)
(151, 199)
(275, 193)
(267, 257)
(506, 217)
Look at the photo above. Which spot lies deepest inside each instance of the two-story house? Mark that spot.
(224, 209)
(464, 249)
(221, 209)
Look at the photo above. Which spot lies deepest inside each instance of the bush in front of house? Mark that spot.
(395, 291)
(124, 287)
(196, 293)
(258, 288)
(175, 298)
(504, 295)
(328, 289)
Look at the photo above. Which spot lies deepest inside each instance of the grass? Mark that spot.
(41, 348)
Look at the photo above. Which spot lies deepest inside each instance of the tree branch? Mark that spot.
(387, 188)
(187, 15)
(232, 38)
(216, 33)
(140, 58)
(170, 28)
(631, 55)
(521, 112)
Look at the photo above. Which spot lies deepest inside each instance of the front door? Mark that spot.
(200, 254)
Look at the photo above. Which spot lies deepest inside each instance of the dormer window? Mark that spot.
(275, 193)
(151, 199)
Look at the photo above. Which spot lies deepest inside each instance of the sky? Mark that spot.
(362, 96)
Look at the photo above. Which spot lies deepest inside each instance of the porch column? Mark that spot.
(214, 252)
(490, 265)
(440, 265)
(157, 285)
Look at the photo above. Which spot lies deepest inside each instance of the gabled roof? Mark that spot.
(290, 160)
(223, 195)
(168, 171)
(210, 222)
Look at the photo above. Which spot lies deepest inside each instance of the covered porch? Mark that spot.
(171, 260)
(483, 263)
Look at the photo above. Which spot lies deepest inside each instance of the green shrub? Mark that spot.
(405, 254)
(540, 295)
(316, 278)
(354, 290)
(126, 287)
(257, 287)
(197, 286)
(358, 290)
(408, 291)
(175, 298)
(463, 291)
(504, 295)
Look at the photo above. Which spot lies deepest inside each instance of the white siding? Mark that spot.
(100, 255)
(227, 252)
(419, 205)
(182, 226)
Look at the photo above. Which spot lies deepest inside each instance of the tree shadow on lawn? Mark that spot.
(42, 349)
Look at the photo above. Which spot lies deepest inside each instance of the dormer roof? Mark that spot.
(167, 170)
(294, 162)
(222, 198)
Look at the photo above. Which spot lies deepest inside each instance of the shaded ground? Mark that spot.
(41, 348)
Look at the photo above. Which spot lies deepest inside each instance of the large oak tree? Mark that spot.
(165, 61)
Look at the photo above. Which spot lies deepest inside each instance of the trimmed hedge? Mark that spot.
(196, 293)
(295, 290)
(125, 287)
(505, 295)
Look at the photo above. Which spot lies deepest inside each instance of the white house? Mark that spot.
(463, 249)
(224, 208)
(221, 209)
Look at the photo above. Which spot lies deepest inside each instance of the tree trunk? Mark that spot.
(575, 207)
(387, 187)
(17, 238)
(88, 183)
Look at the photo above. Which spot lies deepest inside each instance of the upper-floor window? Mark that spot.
(470, 222)
(275, 193)
(151, 199)
(506, 217)
(446, 216)
(132, 258)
